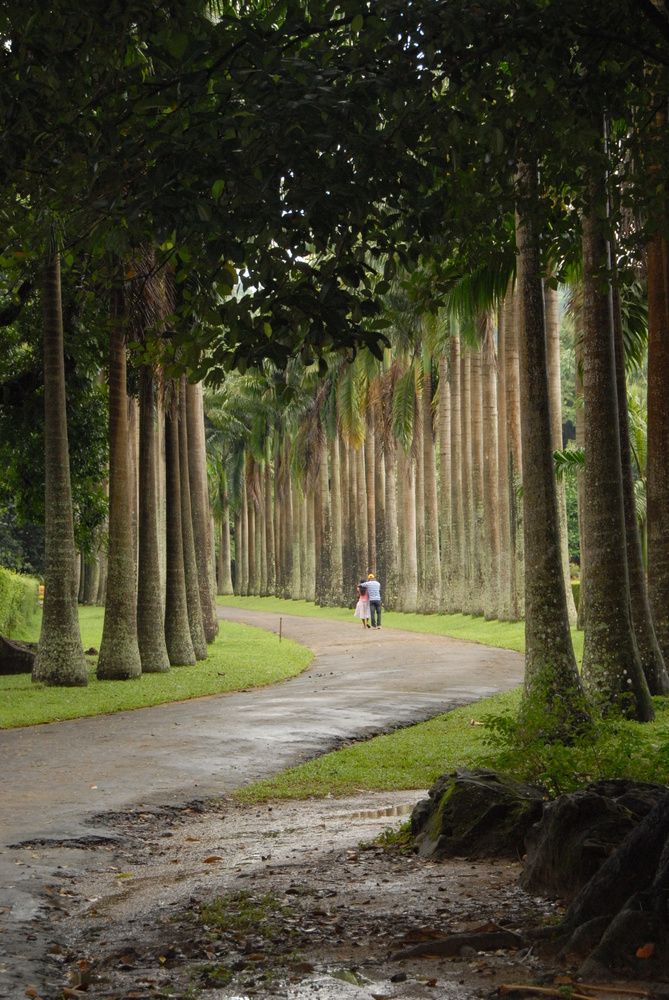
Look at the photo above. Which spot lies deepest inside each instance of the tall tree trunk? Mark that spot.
(432, 582)
(269, 528)
(347, 558)
(445, 481)
(361, 510)
(467, 489)
(119, 653)
(380, 502)
(150, 619)
(298, 587)
(579, 421)
(177, 630)
(457, 582)
(199, 494)
(555, 389)
(190, 564)
(287, 519)
(224, 553)
(324, 526)
(408, 583)
(392, 555)
(652, 661)
(490, 471)
(279, 541)
(506, 562)
(244, 540)
(133, 475)
(370, 464)
(160, 485)
(657, 462)
(611, 668)
(237, 537)
(512, 386)
(419, 488)
(251, 515)
(336, 509)
(92, 580)
(552, 685)
(478, 594)
(310, 591)
(60, 655)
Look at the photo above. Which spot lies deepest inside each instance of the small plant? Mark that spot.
(242, 912)
(397, 838)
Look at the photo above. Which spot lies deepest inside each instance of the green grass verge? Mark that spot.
(240, 657)
(503, 635)
(477, 736)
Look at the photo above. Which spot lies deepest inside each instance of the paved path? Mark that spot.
(54, 777)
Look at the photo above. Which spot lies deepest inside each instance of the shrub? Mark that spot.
(18, 601)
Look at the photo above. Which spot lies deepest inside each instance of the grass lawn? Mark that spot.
(240, 657)
(504, 635)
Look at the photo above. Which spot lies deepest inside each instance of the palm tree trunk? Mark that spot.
(324, 526)
(177, 630)
(506, 563)
(419, 486)
(224, 552)
(457, 582)
(133, 477)
(432, 583)
(237, 537)
(336, 509)
(478, 594)
(408, 582)
(269, 528)
(468, 602)
(552, 683)
(150, 619)
(657, 463)
(160, 484)
(379, 567)
(244, 540)
(60, 655)
(310, 591)
(611, 669)
(199, 492)
(251, 514)
(392, 556)
(279, 541)
(361, 510)
(652, 661)
(445, 481)
(287, 520)
(490, 470)
(512, 386)
(555, 389)
(190, 564)
(298, 582)
(119, 653)
(346, 550)
(370, 463)
(580, 443)
(354, 566)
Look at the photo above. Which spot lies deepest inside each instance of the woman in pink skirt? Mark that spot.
(362, 607)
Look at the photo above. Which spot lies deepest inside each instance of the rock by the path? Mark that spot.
(578, 831)
(477, 813)
(16, 657)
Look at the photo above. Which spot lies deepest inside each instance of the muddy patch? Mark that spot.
(216, 900)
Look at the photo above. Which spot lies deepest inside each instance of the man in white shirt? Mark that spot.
(374, 594)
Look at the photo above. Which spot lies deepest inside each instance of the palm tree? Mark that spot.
(490, 468)
(199, 494)
(190, 564)
(457, 499)
(177, 629)
(119, 652)
(444, 480)
(514, 445)
(506, 562)
(611, 670)
(552, 685)
(431, 593)
(60, 655)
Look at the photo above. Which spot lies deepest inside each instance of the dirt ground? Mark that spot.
(309, 906)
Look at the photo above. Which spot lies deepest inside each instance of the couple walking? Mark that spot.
(369, 602)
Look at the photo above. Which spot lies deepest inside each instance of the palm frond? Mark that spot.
(568, 462)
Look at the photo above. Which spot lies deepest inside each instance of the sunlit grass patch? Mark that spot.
(240, 657)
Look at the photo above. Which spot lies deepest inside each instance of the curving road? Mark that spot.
(56, 777)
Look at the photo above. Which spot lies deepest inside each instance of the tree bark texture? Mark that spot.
(490, 471)
(150, 619)
(60, 655)
(119, 653)
(431, 596)
(190, 564)
(199, 498)
(514, 439)
(506, 564)
(652, 661)
(444, 482)
(552, 686)
(457, 515)
(336, 499)
(611, 669)
(657, 465)
(177, 630)
(478, 589)
(555, 390)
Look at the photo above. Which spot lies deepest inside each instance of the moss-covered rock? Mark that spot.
(580, 830)
(476, 813)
